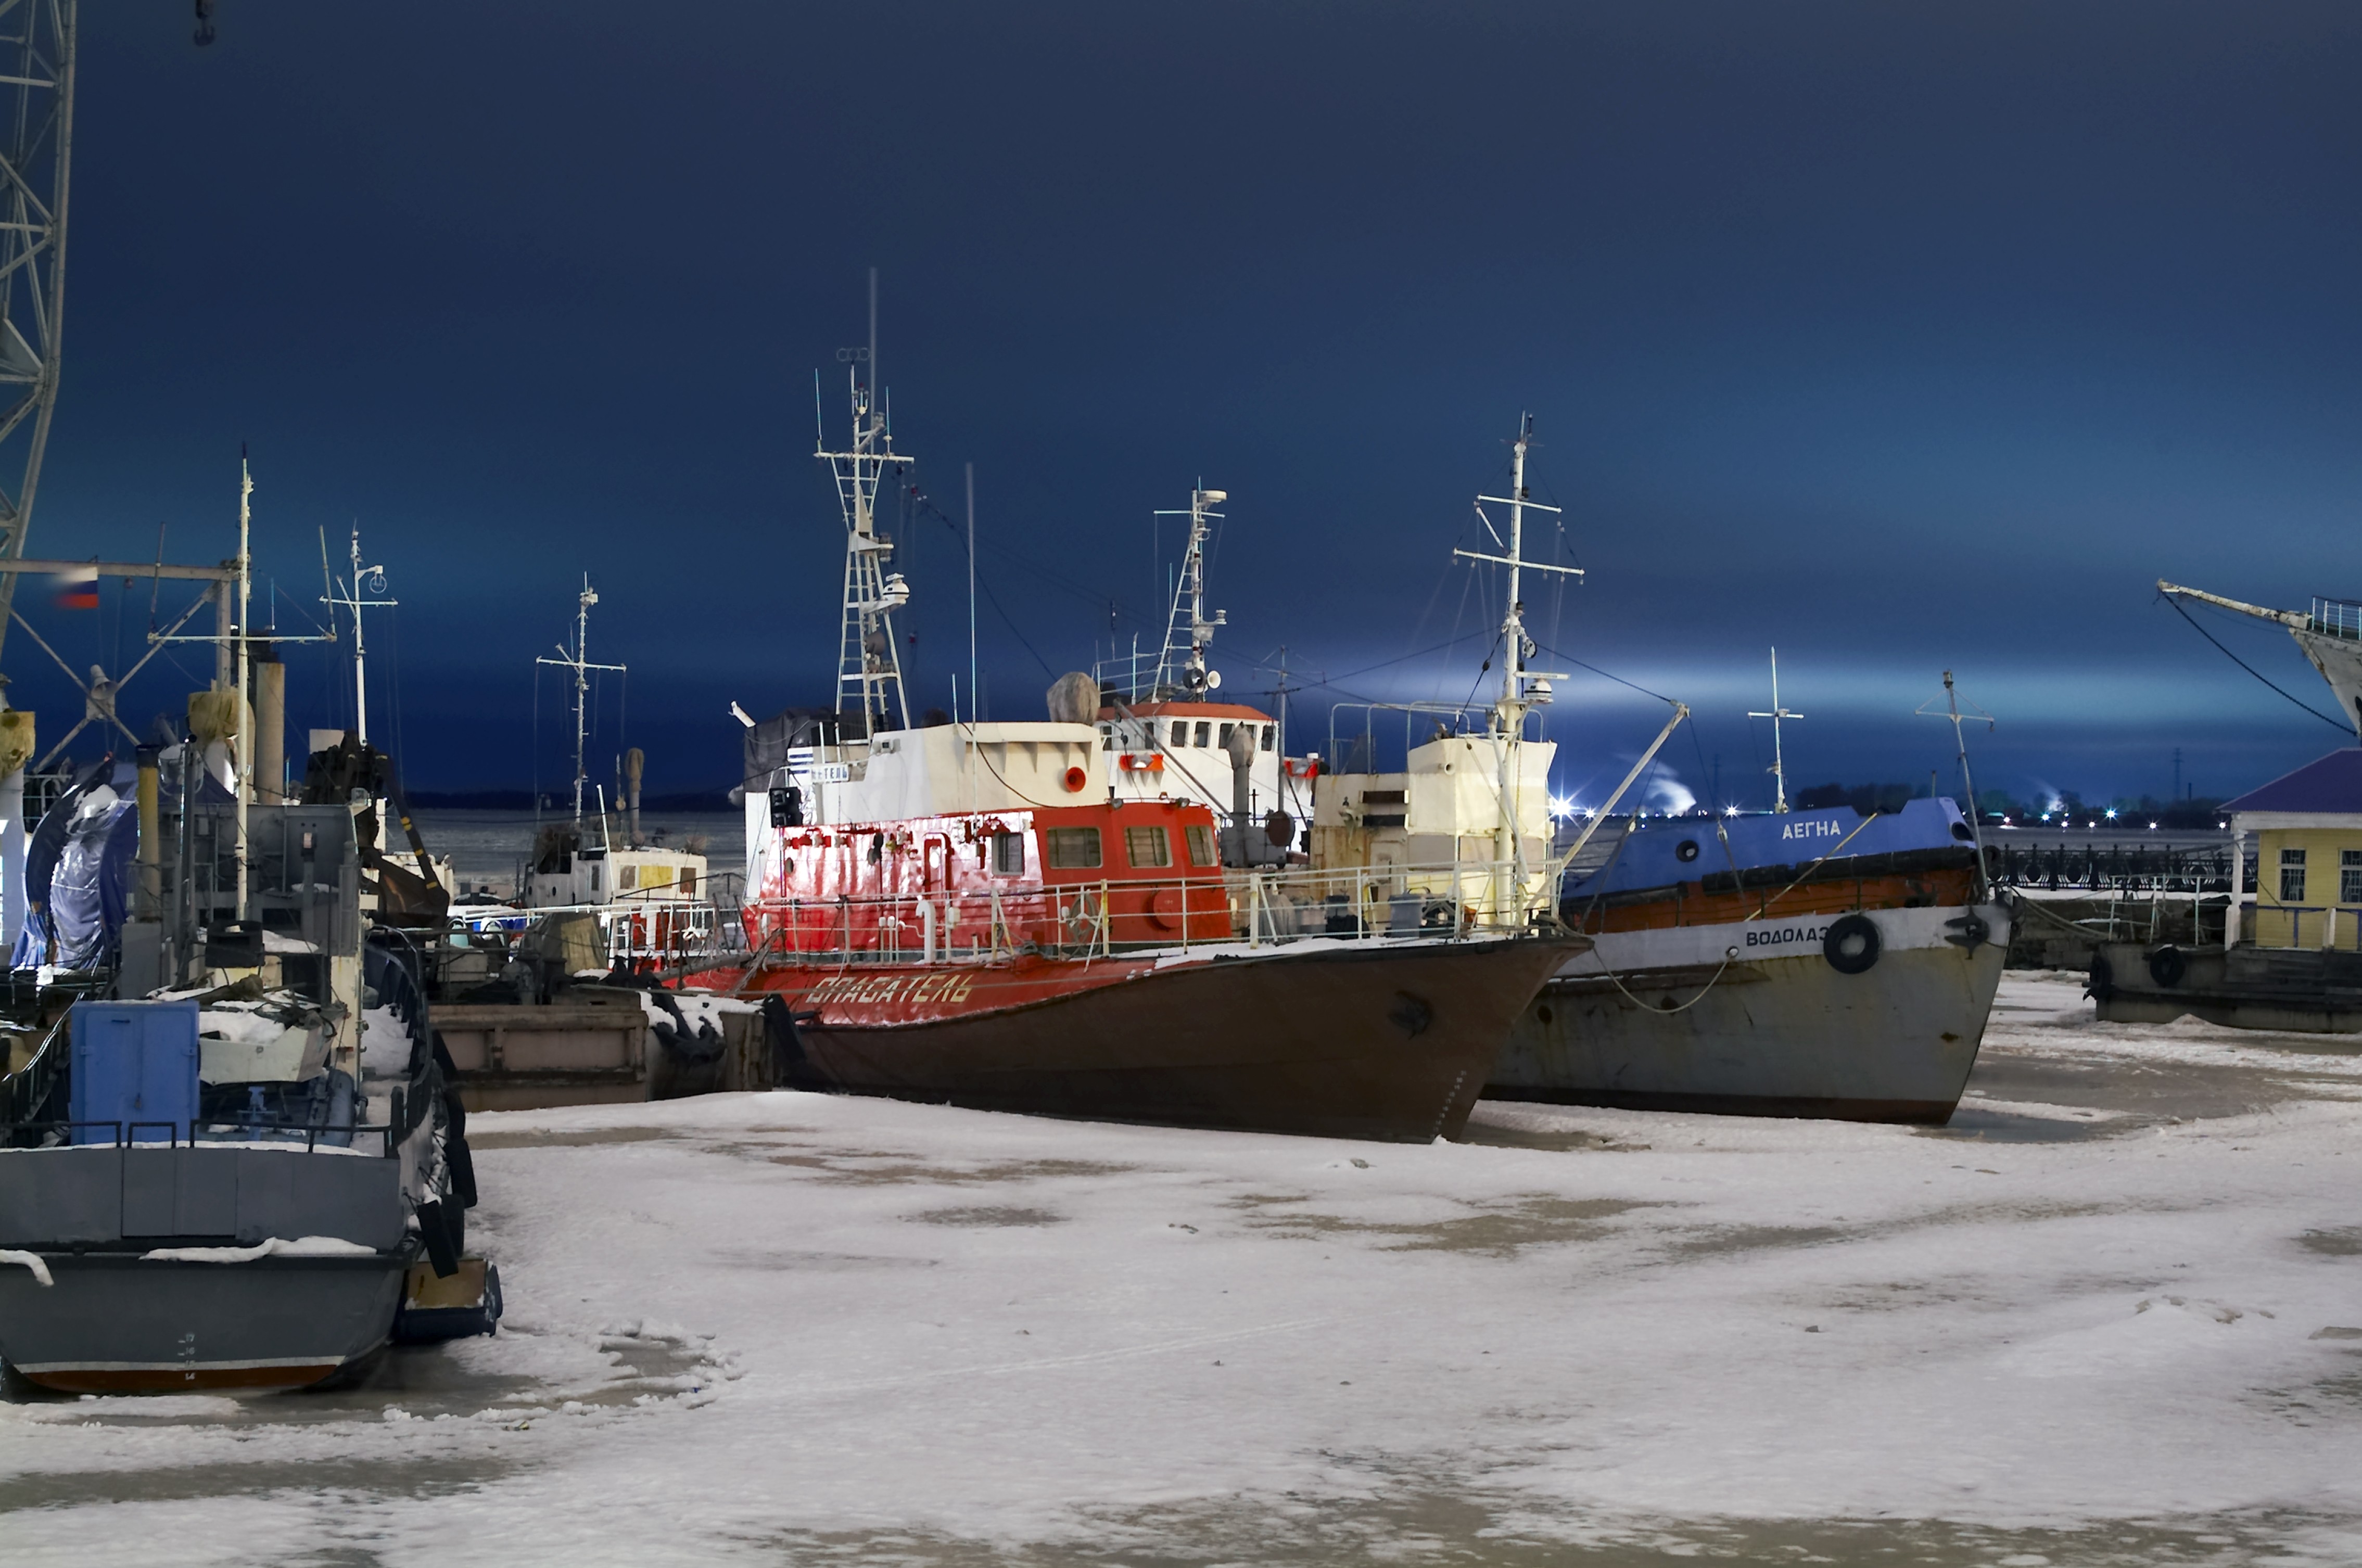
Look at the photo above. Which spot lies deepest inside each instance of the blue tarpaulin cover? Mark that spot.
(91, 891)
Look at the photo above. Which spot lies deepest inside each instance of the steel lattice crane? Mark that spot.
(36, 43)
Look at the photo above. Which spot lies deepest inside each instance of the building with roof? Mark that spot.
(2308, 830)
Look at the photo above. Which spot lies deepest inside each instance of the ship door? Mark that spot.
(936, 869)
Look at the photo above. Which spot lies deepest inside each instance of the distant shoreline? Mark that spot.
(522, 801)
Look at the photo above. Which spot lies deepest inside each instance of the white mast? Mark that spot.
(242, 778)
(1508, 717)
(352, 599)
(577, 659)
(1181, 665)
(1779, 763)
(869, 665)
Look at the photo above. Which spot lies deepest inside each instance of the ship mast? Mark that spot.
(1518, 697)
(869, 665)
(352, 599)
(1778, 762)
(577, 659)
(1181, 665)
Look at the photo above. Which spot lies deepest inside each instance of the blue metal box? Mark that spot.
(134, 1064)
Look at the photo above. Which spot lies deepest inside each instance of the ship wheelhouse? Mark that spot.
(1106, 876)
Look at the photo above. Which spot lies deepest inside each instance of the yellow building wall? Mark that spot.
(2324, 848)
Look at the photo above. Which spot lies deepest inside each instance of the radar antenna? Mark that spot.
(1181, 666)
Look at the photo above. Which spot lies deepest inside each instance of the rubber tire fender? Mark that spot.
(2167, 966)
(1851, 944)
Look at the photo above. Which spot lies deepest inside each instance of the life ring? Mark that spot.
(2167, 966)
(1851, 944)
(1167, 908)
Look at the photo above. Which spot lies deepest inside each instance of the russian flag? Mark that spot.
(78, 589)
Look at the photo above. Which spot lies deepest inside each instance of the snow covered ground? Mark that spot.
(2113, 1315)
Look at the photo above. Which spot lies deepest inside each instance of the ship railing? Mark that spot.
(2337, 618)
(25, 1092)
(216, 1131)
(1390, 903)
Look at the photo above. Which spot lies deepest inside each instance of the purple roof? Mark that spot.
(2333, 783)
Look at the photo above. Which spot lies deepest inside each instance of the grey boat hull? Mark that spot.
(2294, 990)
(1667, 1019)
(114, 1324)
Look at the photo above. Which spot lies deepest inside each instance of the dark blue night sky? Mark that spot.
(1903, 338)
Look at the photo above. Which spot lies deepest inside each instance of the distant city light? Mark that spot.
(2111, 814)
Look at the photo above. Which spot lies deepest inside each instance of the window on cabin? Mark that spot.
(1009, 854)
(1204, 732)
(1180, 731)
(1073, 848)
(1147, 848)
(1201, 845)
(2291, 876)
(627, 878)
(1222, 738)
(1267, 737)
(687, 886)
(2349, 876)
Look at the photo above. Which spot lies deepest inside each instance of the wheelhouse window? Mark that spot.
(1008, 852)
(2349, 876)
(687, 883)
(1073, 848)
(1204, 732)
(1180, 731)
(1223, 738)
(2291, 876)
(1147, 848)
(1201, 845)
(1267, 737)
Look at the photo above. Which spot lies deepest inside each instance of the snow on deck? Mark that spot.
(2113, 1315)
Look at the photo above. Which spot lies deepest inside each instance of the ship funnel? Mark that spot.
(1073, 699)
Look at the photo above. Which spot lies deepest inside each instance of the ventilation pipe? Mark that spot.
(1241, 749)
(270, 729)
(150, 905)
(636, 762)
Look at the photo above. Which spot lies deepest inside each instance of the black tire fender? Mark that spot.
(2167, 966)
(1851, 944)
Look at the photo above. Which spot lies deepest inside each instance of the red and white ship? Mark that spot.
(1038, 917)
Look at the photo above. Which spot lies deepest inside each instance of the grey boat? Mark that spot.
(215, 1186)
(1804, 964)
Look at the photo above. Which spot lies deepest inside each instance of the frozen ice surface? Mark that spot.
(2090, 1324)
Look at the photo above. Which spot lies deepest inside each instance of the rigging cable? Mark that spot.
(2243, 664)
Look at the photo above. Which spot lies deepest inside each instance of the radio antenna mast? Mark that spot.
(869, 664)
(577, 659)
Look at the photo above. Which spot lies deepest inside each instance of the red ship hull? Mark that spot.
(1390, 1041)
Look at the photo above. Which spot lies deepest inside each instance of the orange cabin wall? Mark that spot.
(837, 898)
